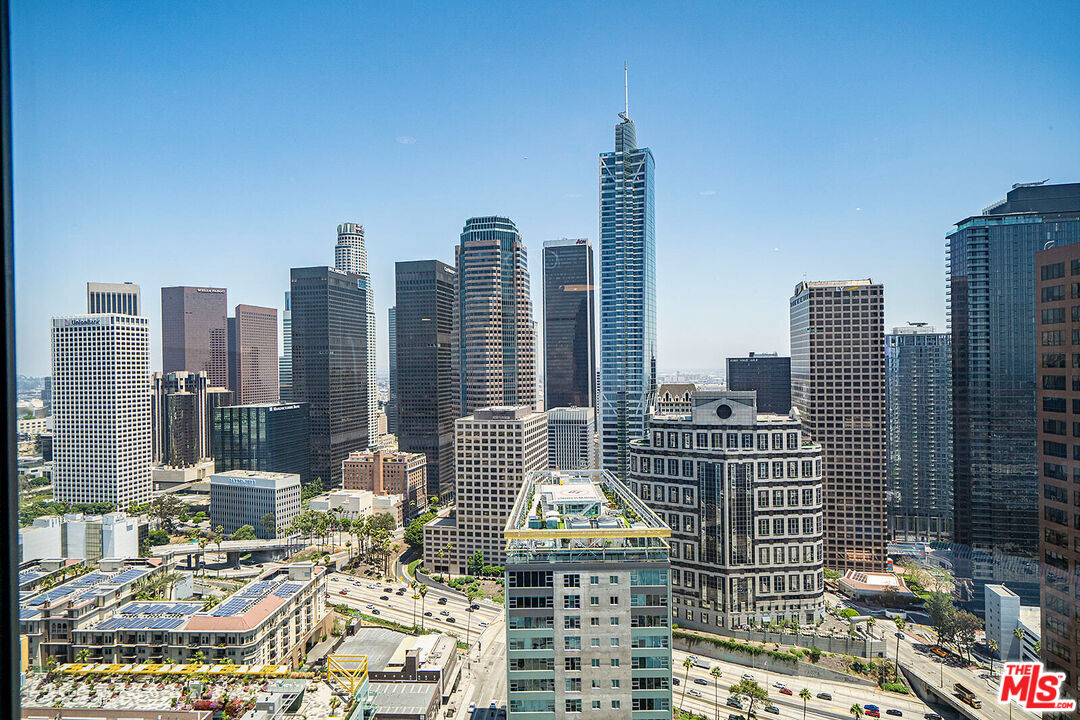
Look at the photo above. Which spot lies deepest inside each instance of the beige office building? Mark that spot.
(838, 386)
(389, 473)
(495, 448)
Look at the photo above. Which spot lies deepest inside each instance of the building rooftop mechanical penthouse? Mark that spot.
(569, 531)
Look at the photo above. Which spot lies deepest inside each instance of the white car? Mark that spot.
(483, 624)
(748, 676)
(779, 685)
(695, 693)
(369, 606)
(472, 708)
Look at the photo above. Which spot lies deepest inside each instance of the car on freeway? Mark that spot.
(932, 716)
(375, 611)
(442, 601)
(450, 620)
(384, 597)
(873, 713)
(675, 681)
(894, 712)
(785, 691)
(772, 709)
(695, 693)
(343, 591)
(493, 705)
(824, 696)
(700, 681)
(748, 676)
(734, 702)
(900, 635)
(369, 606)
(474, 606)
(871, 707)
(484, 624)
(778, 685)
(733, 716)
(444, 612)
(358, 584)
(472, 708)
(428, 614)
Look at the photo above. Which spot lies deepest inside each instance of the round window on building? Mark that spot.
(723, 411)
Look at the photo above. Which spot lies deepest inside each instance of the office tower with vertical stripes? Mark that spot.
(838, 386)
(569, 324)
(253, 358)
(285, 361)
(119, 298)
(496, 354)
(350, 255)
(391, 400)
(627, 294)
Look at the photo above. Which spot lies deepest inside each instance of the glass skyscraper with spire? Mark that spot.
(627, 294)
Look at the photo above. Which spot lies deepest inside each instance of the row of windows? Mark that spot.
(729, 441)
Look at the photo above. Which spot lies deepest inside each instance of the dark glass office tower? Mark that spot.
(426, 401)
(768, 374)
(267, 437)
(391, 402)
(330, 364)
(194, 336)
(569, 324)
(918, 385)
(991, 294)
(627, 295)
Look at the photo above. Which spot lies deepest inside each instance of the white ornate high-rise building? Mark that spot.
(350, 255)
(101, 409)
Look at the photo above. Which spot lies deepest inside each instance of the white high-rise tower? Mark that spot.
(101, 408)
(350, 255)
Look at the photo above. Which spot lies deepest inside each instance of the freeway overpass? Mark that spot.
(261, 550)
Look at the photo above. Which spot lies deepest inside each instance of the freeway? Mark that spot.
(404, 610)
(791, 707)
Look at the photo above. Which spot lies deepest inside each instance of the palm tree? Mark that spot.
(992, 646)
(449, 547)
(856, 711)
(716, 672)
(1038, 647)
(82, 656)
(334, 702)
(870, 623)
(686, 663)
(422, 591)
(804, 695)
(412, 586)
(203, 542)
(1019, 633)
(900, 623)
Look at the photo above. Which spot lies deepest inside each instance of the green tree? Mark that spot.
(165, 509)
(422, 591)
(716, 672)
(414, 533)
(752, 691)
(269, 524)
(158, 537)
(476, 563)
(82, 656)
(804, 695)
(312, 489)
(992, 646)
(856, 711)
(245, 532)
(687, 663)
(199, 657)
(900, 623)
(942, 614)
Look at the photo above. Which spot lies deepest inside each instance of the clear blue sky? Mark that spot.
(220, 143)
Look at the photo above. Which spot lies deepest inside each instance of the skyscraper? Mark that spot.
(627, 294)
(426, 403)
(253, 358)
(101, 408)
(496, 448)
(768, 374)
(285, 361)
(329, 351)
(741, 491)
(991, 293)
(569, 324)
(838, 385)
(496, 354)
(194, 332)
(918, 378)
(1057, 289)
(572, 438)
(269, 437)
(350, 255)
(391, 401)
(180, 431)
(118, 298)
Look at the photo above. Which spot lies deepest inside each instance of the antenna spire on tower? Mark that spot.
(625, 114)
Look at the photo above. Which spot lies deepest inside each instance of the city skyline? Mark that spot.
(856, 150)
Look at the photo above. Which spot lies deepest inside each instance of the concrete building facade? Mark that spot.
(80, 537)
(742, 494)
(587, 601)
(101, 409)
(495, 449)
(572, 438)
(350, 255)
(389, 473)
(838, 387)
(253, 354)
(114, 298)
(247, 497)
